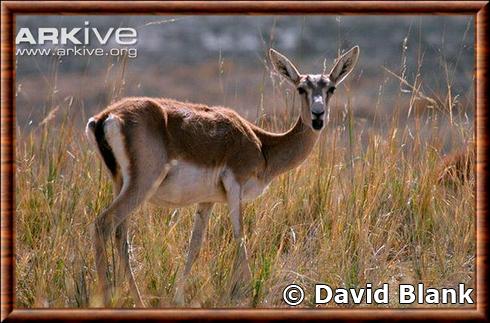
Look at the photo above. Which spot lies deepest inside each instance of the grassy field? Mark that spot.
(364, 208)
(367, 206)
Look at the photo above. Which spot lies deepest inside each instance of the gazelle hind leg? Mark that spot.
(132, 195)
(101, 234)
(125, 269)
(141, 176)
(201, 220)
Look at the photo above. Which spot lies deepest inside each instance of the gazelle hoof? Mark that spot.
(179, 298)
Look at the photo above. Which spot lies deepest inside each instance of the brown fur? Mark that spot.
(225, 138)
(458, 166)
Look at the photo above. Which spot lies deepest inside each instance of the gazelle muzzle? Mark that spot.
(317, 114)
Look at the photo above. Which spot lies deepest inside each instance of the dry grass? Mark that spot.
(352, 214)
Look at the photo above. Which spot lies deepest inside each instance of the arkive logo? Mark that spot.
(77, 36)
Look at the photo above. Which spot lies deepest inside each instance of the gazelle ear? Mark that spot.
(344, 65)
(284, 66)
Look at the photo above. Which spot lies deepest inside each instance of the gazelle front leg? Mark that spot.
(199, 229)
(241, 270)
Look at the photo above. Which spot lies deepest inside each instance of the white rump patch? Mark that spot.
(89, 133)
(115, 139)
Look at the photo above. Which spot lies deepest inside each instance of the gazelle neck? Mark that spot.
(288, 150)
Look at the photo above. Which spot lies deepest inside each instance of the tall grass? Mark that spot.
(350, 215)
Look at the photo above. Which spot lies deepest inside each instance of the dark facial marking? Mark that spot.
(317, 124)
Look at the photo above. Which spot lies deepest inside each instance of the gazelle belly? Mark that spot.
(187, 184)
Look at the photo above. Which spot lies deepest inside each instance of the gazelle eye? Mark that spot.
(331, 90)
(301, 90)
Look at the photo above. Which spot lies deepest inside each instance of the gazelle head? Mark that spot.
(315, 90)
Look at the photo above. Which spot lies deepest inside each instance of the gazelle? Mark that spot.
(177, 154)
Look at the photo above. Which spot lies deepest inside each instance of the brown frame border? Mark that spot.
(10, 8)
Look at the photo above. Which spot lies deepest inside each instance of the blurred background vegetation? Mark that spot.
(221, 60)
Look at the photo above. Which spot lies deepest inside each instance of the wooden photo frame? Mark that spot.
(477, 9)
